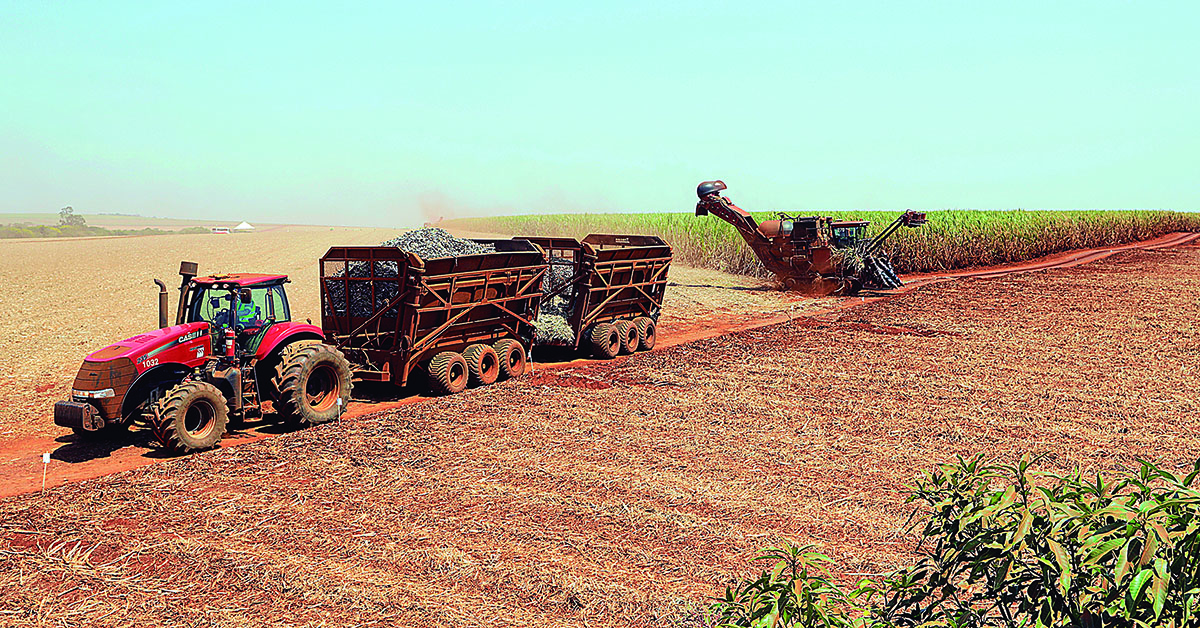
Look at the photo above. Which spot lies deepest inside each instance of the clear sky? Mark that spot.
(383, 113)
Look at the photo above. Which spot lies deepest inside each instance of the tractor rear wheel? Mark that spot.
(511, 356)
(606, 342)
(447, 373)
(313, 378)
(628, 335)
(647, 333)
(191, 417)
(483, 365)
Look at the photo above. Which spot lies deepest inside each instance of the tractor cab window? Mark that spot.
(223, 308)
(276, 305)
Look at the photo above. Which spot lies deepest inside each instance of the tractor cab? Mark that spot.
(847, 233)
(247, 303)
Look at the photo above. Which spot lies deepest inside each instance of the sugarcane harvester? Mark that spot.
(813, 254)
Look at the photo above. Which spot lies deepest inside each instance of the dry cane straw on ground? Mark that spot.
(617, 493)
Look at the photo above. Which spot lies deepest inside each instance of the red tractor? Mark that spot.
(232, 349)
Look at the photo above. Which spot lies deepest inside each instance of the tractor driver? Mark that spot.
(247, 313)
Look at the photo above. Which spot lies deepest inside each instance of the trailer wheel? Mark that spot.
(312, 378)
(192, 417)
(511, 356)
(647, 333)
(447, 373)
(483, 364)
(606, 342)
(628, 335)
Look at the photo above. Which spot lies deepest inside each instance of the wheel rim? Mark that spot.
(516, 362)
(320, 391)
(458, 372)
(650, 334)
(489, 365)
(200, 419)
(614, 342)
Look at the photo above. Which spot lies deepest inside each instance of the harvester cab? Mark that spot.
(814, 254)
(848, 233)
(232, 352)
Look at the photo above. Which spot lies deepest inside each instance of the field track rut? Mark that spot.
(20, 459)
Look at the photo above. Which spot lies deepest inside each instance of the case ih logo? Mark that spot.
(192, 336)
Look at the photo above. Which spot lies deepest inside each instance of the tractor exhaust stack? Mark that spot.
(162, 303)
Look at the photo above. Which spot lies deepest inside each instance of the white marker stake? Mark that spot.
(340, 407)
(45, 465)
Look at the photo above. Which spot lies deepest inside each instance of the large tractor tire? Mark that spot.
(605, 341)
(512, 358)
(628, 335)
(448, 373)
(191, 417)
(483, 364)
(313, 377)
(647, 333)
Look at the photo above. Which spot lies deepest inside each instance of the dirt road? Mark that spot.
(701, 304)
(617, 493)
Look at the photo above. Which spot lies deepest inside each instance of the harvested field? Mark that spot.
(618, 493)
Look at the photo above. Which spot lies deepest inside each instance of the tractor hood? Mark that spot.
(150, 344)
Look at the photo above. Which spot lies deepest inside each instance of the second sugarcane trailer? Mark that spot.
(609, 289)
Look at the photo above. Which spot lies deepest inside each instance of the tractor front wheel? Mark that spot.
(191, 417)
(313, 378)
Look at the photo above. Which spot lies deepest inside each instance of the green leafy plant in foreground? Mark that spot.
(796, 592)
(1003, 545)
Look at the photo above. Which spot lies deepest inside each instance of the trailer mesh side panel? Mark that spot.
(389, 310)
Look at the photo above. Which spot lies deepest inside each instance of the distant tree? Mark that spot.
(67, 218)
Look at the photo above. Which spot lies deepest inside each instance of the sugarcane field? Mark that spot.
(613, 315)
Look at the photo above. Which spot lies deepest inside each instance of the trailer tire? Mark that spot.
(628, 334)
(647, 333)
(448, 373)
(511, 356)
(606, 342)
(191, 417)
(483, 364)
(313, 376)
